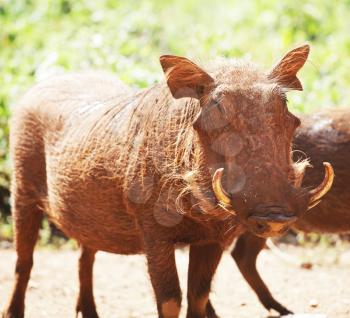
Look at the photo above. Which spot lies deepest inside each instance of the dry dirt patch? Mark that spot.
(122, 287)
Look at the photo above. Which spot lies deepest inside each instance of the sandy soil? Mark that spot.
(122, 287)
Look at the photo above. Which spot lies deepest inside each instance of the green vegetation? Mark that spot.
(42, 37)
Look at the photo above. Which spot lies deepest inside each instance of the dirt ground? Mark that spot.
(122, 287)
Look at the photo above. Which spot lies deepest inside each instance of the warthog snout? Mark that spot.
(270, 221)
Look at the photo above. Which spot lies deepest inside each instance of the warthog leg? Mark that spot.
(85, 303)
(204, 260)
(164, 278)
(211, 311)
(245, 254)
(27, 220)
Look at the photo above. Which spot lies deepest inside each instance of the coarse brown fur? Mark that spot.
(129, 171)
(323, 136)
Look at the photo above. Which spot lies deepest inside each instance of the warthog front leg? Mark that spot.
(164, 278)
(85, 303)
(204, 260)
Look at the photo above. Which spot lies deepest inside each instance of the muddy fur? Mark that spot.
(129, 171)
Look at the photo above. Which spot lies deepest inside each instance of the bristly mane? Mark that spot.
(162, 142)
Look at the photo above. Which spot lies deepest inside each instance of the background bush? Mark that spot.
(41, 37)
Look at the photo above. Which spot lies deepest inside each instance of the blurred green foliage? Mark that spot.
(39, 38)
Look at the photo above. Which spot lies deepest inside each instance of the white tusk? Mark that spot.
(324, 187)
(220, 193)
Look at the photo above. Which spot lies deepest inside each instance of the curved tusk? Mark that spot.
(324, 187)
(220, 193)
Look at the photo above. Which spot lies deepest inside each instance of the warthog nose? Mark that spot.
(271, 222)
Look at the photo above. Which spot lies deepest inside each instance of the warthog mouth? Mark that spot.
(272, 224)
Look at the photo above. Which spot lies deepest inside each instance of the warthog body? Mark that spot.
(322, 136)
(139, 171)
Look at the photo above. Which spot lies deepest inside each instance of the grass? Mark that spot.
(39, 38)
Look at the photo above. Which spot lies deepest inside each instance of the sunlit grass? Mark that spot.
(39, 38)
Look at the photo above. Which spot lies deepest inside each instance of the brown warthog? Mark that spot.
(138, 171)
(322, 136)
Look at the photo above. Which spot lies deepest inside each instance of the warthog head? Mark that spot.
(246, 132)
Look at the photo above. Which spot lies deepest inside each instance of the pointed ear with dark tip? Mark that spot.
(284, 73)
(184, 78)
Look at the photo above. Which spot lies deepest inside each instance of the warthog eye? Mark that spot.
(217, 105)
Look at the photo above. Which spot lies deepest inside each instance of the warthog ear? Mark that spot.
(285, 71)
(184, 78)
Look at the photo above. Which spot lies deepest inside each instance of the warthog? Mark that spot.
(194, 160)
(322, 136)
